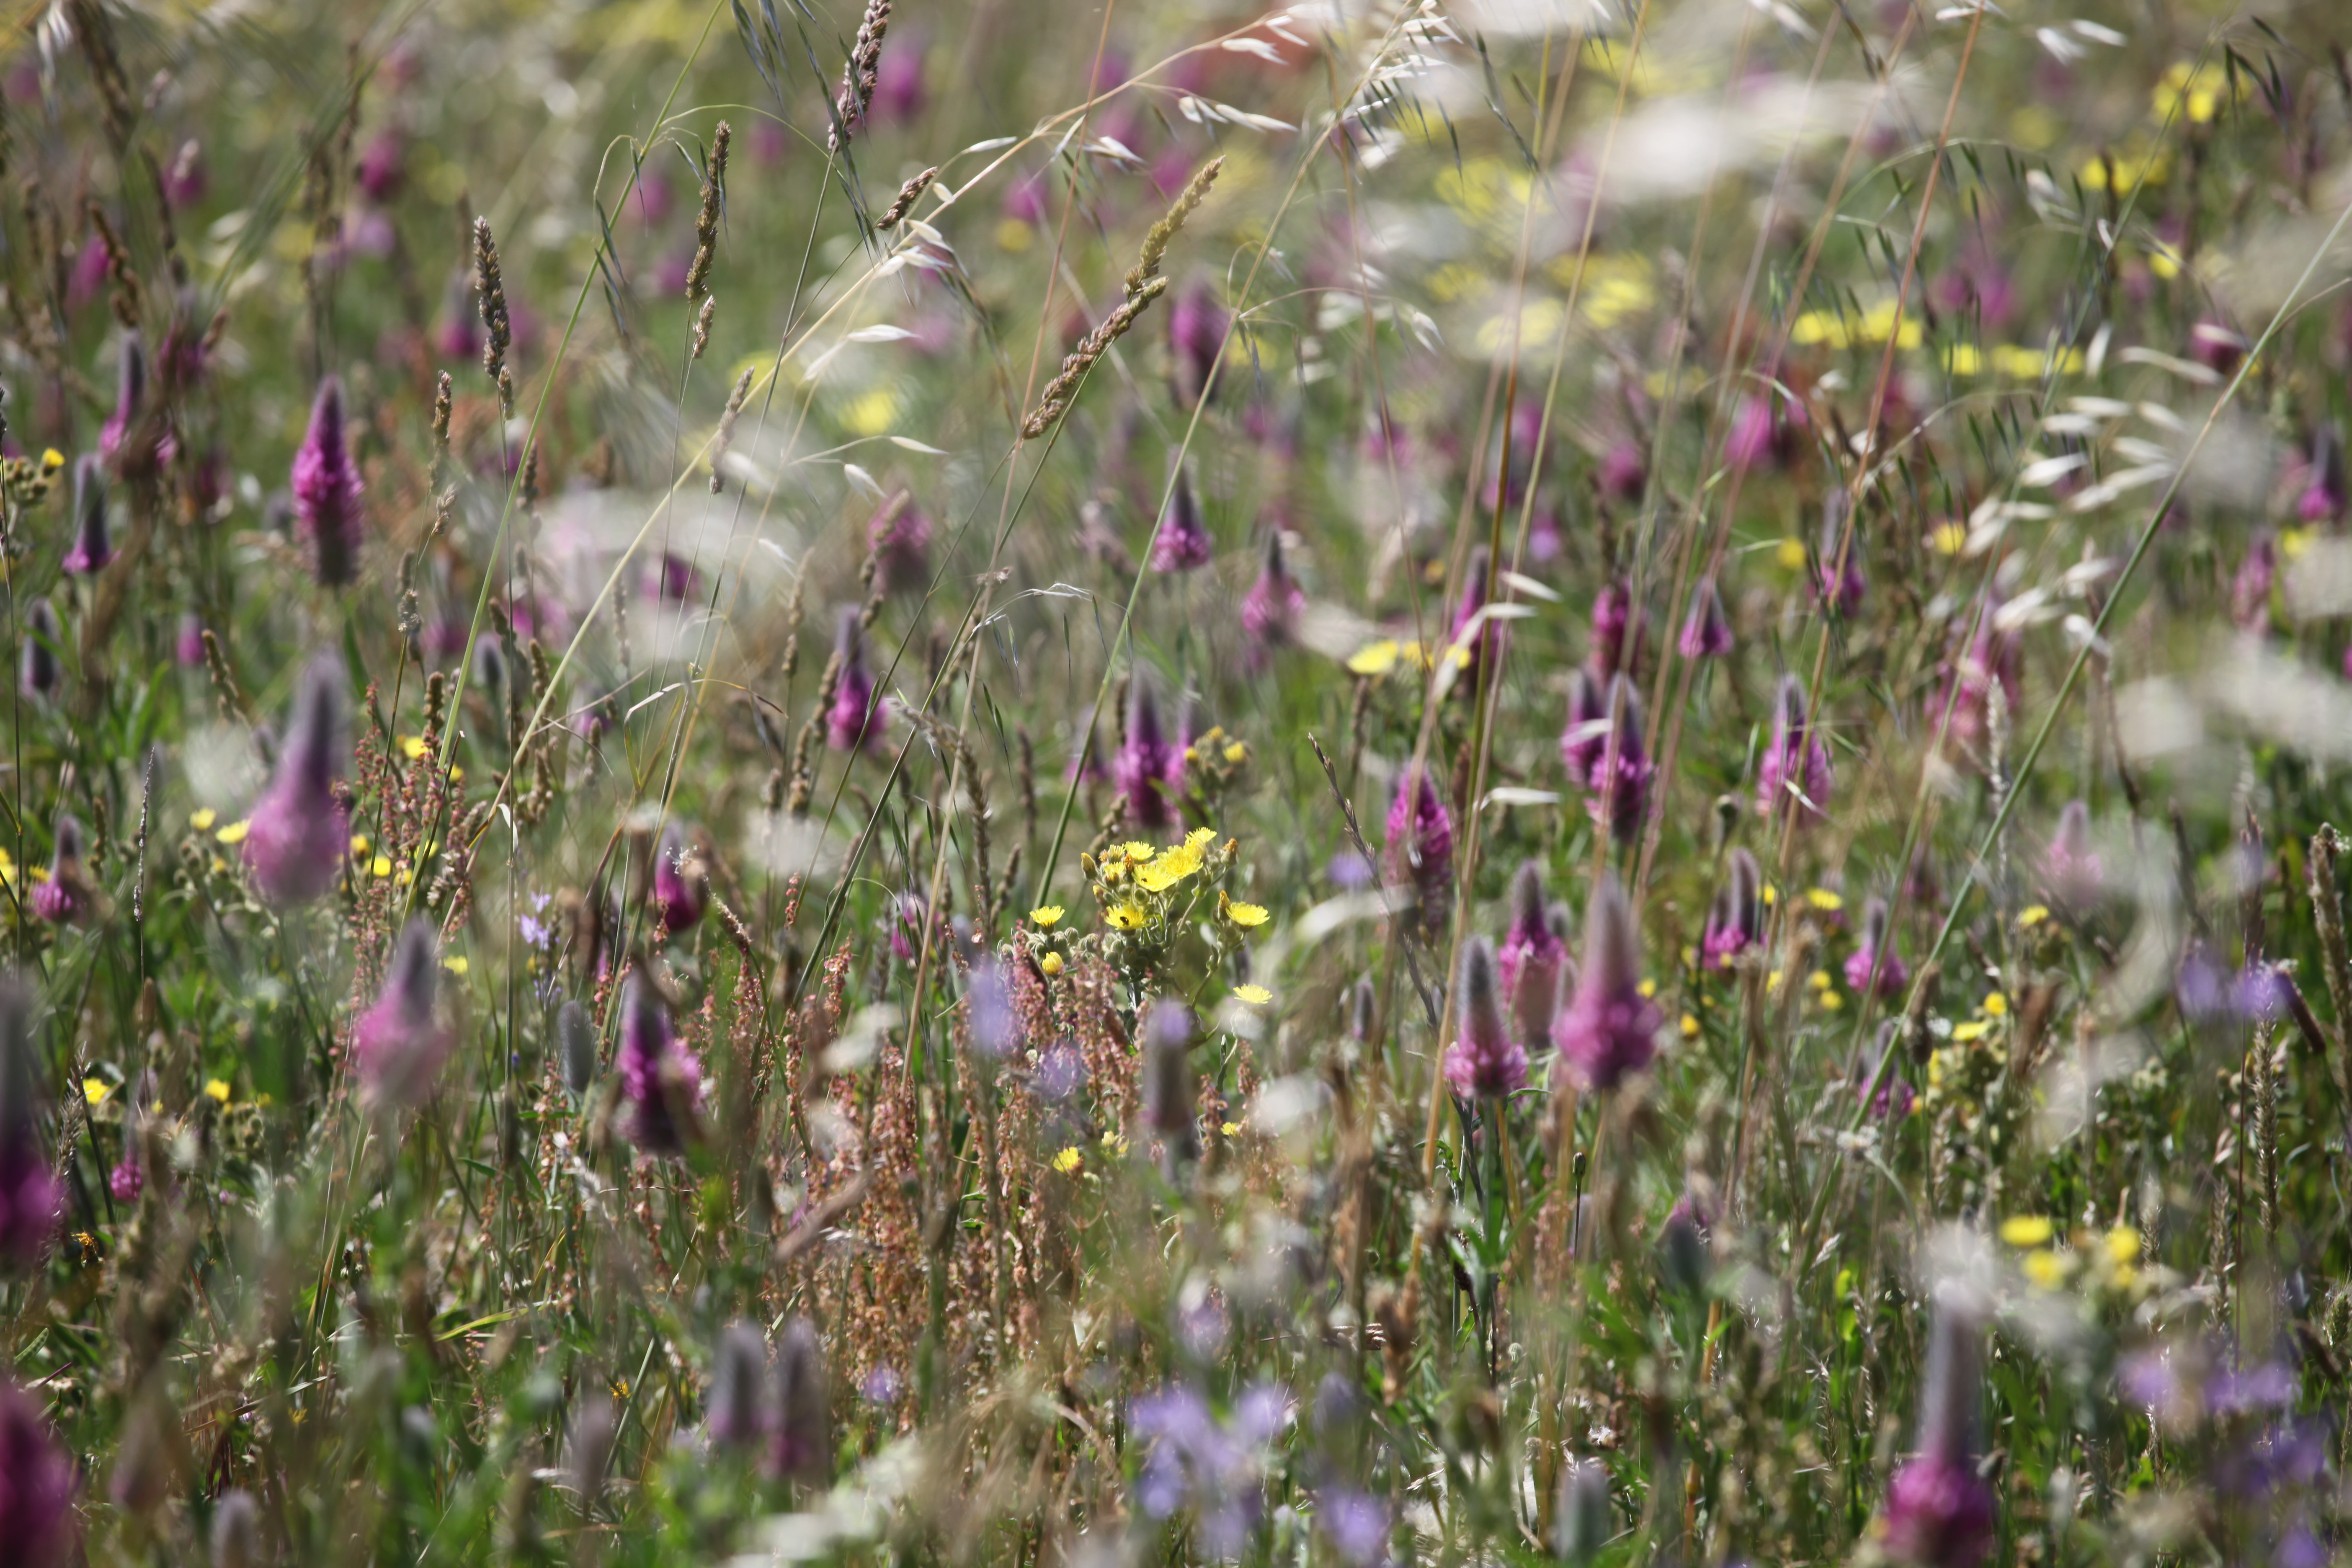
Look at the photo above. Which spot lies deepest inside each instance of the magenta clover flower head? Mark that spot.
(38, 672)
(1196, 336)
(1586, 735)
(900, 538)
(1609, 1029)
(1994, 657)
(2250, 591)
(1532, 959)
(1421, 841)
(66, 896)
(300, 833)
(129, 393)
(803, 1449)
(1764, 429)
(1734, 922)
(1484, 1062)
(857, 714)
(383, 166)
(1184, 543)
(1150, 766)
(397, 1045)
(2070, 867)
(680, 887)
(1168, 1086)
(1706, 630)
(1613, 613)
(660, 1084)
(1939, 1511)
(1623, 472)
(1620, 782)
(36, 1485)
(735, 1416)
(127, 1179)
(1795, 767)
(30, 1198)
(1872, 967)
(188, 643)
(93, 544)
(326, 488)
(1270, 610)
(2325, 492)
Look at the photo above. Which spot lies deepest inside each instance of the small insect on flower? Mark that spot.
(299, 830)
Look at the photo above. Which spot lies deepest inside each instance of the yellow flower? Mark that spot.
(1996, 1004)
(1976, 1030)
(1648, 988)
(1245, 915)
(1690, 1027)
(1823, 898)
(1832, 1001)
(52, 458)
(216, 1088)
(1051, 963)
(456, 964)
(96, 1090)
(1770, 895)
(1199, 838)
(412, 746)
(1375, 658)
(1231, 1129)
(1236, 751)
(2032, 915)
(359, 843)
(1125, 917)
(1162, 874)
(1791, 554)
(1819, 980)
(1949, 537)
(1069, 1159)
(234, 833)
(2026, 1230)
(381, 866)
(1046, 914)
(2123, 1244)
(1137, 851)
(2046, 1268)
(203, 818)
(1255, 996)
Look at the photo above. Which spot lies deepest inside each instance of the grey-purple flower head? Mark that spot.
(1421, 842)
(1620, 781)
(37, 1486)
(30, 1198)
(661, 1085)
(1182, 543)
(1532, 957)
(1167, 1084)
(575, 1039)
(37, 671)
(326, 487)
(1270, 610)
(299, 833)
(803, 1442)
(681, 887)
(996, 1026)
(735, 1416)
(1478, 583)
(1939, 1511)
(1196, 336)
(1586, 734)
(93, 544)
(1609, 1029)
(1484, 1062)
(1873, 964)
(1734, 922)
(2325, 494)
(1841, 582)
(129, 395)
(857, 715)
(397, 1045)
(66, 897)
(1150, 767)
(1706, 629)
(1794, 771)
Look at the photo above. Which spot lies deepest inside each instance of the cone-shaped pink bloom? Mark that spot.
(37, 1486)
(1184, 543)
(1613, 613)
(1421, 843)
(900, 536)
(858, 713)
(129, 391)
(1839, 581)
(1196, 336)
(1484, 1062)
(30, 1198)
(1939, 1511)
(803, 1407)
(679, 890)
(1735, 922)
(300, 833)
(2324, 490)
(1794, 770)
(93, 544)
(1623, 472)
(1586, 735)
(1476, 583)
(1270, 610)
(1874, 964)
(188, 644)
(326, 487)
(1531, 960)
(661, 1085)
(66, 897)
(1150, 767)
(2250, 591)
(1706, 630)
(1620, 782)
(2070, 867)
(1994, 657)
(397, 1045)
(1764, 429)
(1609, 1028)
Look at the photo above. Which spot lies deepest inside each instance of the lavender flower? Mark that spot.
(1531, 960)
(67, 896)
(1270, 610)
(857, 714)
(680, 885)
(1706, 630)
(1476, 578)
(1795, 766)
(1216, 1467)
(2250, 590)
(2070, 867)
(1613, 612)
(1623, 473)
(1150, 766)
(900, 538)
(804, 1407)
(127, 1179)
(93, 544)
(734, 1416)
(188, 643)
(30, 1198)
(1840, 581)
(1873, 965)
(1620, 782)
(1586, 735)
(300, 833)
(1609, 1029)
(326, 488)
(36, 1485)
(1184, 543)
(1421, 842)
(1895, 1096)
(397, 1045)
(575, 1039)
(996, 1026)
(660, 1084)
(1484, 1062)
(129, 393)
(1734, 922)
(1196, 336)
(1356, 1525)
(1939, 1512)
(1168, 1089)
(36, 671)
(2325, 492)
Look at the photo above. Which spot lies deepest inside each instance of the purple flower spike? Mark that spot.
(326, 488)
(1531, 961)
(1196, 336)
(1841, 582)
(301, 833)
(1764, 429)
(660, 1084)
(1168, 1089)
(901, 537)
(1150, 767)
(130, 394)
(93, 545)
(1735, 922)
(735, 1416)
(127, 1179)
(1609, 1029)
(1895, 1096)
(1620, 781)
(397, 1045)
(2070, 867)
(1613, 612)
(1939, 1512)
(1586, 736)
(1484, 1062)
(857, 715)
(1270, 610)
(30, 1199)
(36, 1485)
(36, 672)
(188, 645)
(2250, 591)
(1706, 630)
(2325, 492)
(1421, 843)
(384, 167)
(1795, 770)
(1873, 965)
(1476, 583)
(1623, 472)
(680, 885)
(66, 897)
(803, 1407)
(1183, 545)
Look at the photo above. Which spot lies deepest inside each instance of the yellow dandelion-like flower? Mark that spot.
(1051, 963)
(1125, 917)
(359, 843)
(2032, 915)
(1819, 980)
(1246, 916)
(1690, 1027)
(202, 818)
(1996, 1005)
(456, 964)
(1236, 751)
(234, 833)
(1139, 851)
(412, 746)
(1791, 554)
(1949, 538)
(2048, 1270)
(52, 460)
(381, 866)
(1374, 658)
(1047, 915)
(1199, 838)
(1162, 874)
(1823, 898)
(1068, 1160)
(2026, 1230)
(1648, 988)
(217, 1090)
(2123, 1244)
(1255, 996)
(96, 1090)
(1231, 1129)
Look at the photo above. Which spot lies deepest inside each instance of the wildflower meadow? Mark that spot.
(1127, 783)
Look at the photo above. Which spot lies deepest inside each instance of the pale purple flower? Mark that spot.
(900, 538)
(1839, 581)
(1994, 657)
(1196, 337)
(1873, 964)
(1623, 473)
(129, 395)
(188, 645)
(1609, 1029)
(184, 180)
(1356, 1525)
(37, 671)
(299, 833)
(1532, 959)
(1586, 734)
(1706, 630)
(127, 1179)
(1270, 610)
(804, 1407)
(882, 1385)
(1620, 781)
(383, 166)
(37, 1486)
(1182, 543)
(858, 713)
(681, 889)
(1421, 842)
(735, 1414)
(1939, 1512)
(93, 544)
(1734, 922)
(1168, 1087)
(2325, 492)
(1613, 613)
(996, 1026)
(1150, 767)
(1484, 1062)
(31, 1200)
(397, 1045)
(2070, 867)
(661, 1084)
(2250, 590)
(66, 897)
(1795, 767)
(326, 488)
(1764, 429)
